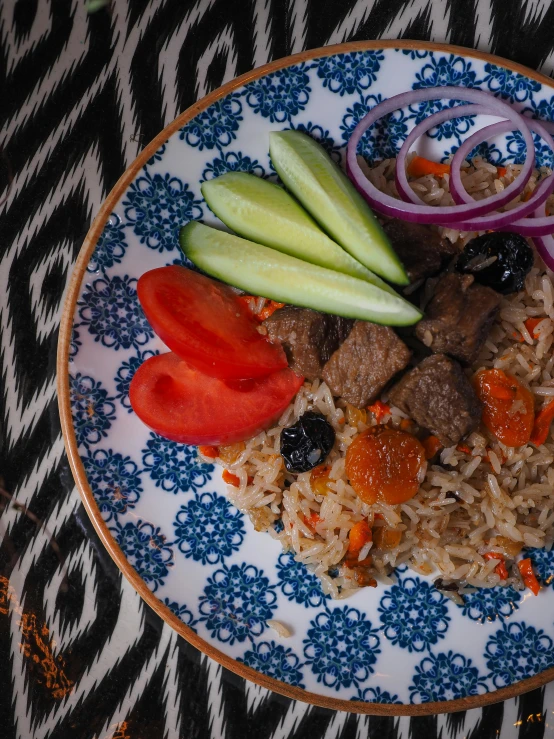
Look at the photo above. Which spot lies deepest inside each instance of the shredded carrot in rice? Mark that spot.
(529, 578)
(419, 167)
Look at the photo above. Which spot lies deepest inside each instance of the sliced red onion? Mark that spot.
(514, 219)
(402, 184)
(420, 213)
(490, 221)
(544, 244)
(541, 226)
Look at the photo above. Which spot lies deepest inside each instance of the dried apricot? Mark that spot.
(385, 464)
(508, 407)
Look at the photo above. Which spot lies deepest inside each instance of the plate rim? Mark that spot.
(68, 432)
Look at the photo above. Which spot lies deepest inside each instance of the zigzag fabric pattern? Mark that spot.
(83, 93)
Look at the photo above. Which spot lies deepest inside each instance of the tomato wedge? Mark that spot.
(183, 404)
(204, 323)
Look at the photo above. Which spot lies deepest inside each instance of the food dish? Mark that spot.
(327, 614)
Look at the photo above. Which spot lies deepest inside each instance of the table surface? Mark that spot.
(82, 93)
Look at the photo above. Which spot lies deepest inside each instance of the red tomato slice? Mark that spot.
(181, 403)
(204, 323)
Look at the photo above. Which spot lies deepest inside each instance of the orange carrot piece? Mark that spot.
(379, 410)
(360, 534)
(498, 390)
(531, 324)
(541, 427)
(529, 578)
(209, 451)
(419, 167)
(463, 448)
(406, 424)
(269, 309)
(501, 171)
(500, 568)
(230, 479)
(432, 446)
(312, 521)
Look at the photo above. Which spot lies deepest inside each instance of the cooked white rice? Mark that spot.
(482, 497)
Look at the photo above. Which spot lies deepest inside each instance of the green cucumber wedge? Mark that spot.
(263, 271)
(327, 193)
(265, 213)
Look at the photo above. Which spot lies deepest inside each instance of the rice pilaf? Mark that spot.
(481, 498)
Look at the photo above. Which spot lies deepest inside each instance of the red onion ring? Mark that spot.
(490, 221)
(418, 213)
(515, 219)
(525, 226)
(402, 184)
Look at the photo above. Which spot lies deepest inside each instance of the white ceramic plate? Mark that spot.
(163, 514)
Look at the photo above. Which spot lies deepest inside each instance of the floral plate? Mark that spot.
(162, 513)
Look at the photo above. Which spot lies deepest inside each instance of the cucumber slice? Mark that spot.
(263, 271)
(327, 193)
(265, 213)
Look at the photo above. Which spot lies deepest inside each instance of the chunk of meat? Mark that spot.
(365, 362)
(422, 251)
(309, 338)
(459, 317)
(440, 398)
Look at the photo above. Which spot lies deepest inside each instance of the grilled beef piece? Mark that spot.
(309, 338)
(459, 317)
(423, 252)
(365, 362)
(438, 396)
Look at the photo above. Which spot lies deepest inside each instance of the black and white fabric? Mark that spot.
(83, 89)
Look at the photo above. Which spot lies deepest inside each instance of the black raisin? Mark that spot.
(307, 443)
(512, 260)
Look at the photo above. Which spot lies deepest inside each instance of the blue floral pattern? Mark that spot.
(208, 529)
(544, 157)
(75, 344)
(488, 151)
(111, 246)
(518, 651)
(445, 677)
(174, 467)
(323, 137)
(125, 374)
(114, 480)
(216, 126)
(509, 85)
(544, 109)
(146, 550)
(543, 565)
(414, 614)
(157, 156)
(157, 207)
(446, 71)
(341, 648)
(489, 604)
(351, 72)
(376, 695)
(232, 161)
(182, 612)
(298, 583)
(415, 53)
(236, 603)
(110, 310)
(93, 411)
(381, 141)
(276, 661)
(280, 95)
